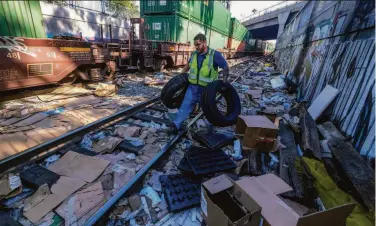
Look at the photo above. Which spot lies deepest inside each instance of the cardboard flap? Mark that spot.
(334, 216)
(274, 210)
(257, 121)
(218, 184)
(275, 184)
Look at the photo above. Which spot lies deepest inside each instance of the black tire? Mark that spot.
(209, 104)
(173, 92)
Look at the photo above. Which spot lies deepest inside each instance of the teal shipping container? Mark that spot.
(167, 28)
(21, 19)
(217, 40)
(238, 31)
(210, 13)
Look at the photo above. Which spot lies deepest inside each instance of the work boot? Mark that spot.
(171, 129)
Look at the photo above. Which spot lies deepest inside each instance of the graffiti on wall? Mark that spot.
(334, 44)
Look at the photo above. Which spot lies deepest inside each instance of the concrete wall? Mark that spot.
(332, 42)
(94, 26)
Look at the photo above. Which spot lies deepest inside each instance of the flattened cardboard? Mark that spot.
(322, 101)
(278, 213)
(216, 192)
(274, 183)
(83, 167)
(63, 188)
(258, 132)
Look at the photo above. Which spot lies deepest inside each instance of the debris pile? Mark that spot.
(270, 168)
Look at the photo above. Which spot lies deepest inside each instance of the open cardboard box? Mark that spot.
(224, 203)
(257, 131)
(265, 189)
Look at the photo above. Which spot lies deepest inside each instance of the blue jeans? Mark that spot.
(191, 98)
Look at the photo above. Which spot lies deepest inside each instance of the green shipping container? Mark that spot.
(21, 19)
(217, 40)
(210, 13)
(238, 31)
(150, 7)
(194, 29)
(167, 28)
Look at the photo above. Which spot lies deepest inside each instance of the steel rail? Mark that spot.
(22, 157)
(112, 201)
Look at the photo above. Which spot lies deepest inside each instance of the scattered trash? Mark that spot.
(10, 185)
(51, 159)
(131, 156)
(99, 136)
(106, 90)
(55, 112)
(278, 83)
(86, 142)
(151, 194)
(238, 150)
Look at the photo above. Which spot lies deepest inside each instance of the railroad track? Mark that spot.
(142, 111)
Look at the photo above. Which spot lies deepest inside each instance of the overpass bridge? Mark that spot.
(269, 23)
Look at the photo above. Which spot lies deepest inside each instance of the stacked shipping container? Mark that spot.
(180, 21)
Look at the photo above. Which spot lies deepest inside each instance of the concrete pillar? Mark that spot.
(282, 18)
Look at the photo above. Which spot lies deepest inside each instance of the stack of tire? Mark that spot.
(209, 104)
(173, 93)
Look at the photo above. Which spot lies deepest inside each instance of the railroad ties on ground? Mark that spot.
(16, 162)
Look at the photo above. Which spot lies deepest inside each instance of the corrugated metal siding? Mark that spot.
(167, 28)
(331, 55)
(209, 13)
(238, 31)
(22, 19)
(217, 40)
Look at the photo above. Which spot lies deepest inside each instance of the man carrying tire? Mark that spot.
(203, 69)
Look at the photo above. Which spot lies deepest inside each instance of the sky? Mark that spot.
(240, 9)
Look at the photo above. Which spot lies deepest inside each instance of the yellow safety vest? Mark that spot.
(207, 73)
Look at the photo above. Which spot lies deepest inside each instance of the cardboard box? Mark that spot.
(224, 203)
(265, 189)
(257, 131)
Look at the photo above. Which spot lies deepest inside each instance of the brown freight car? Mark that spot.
(28, 62)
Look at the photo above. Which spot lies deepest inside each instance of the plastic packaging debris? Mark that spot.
(146, 208)
(163, 126)
(135, 141)
(278, 83)
(133, 214)
(154, 181)
(99, 135)
(125, 214)
(123, 202)
(159, 75)
(151, 194)
(55, 111)
(133, 222)
(238, 150)
(131, 156)
(273, 161)
(186, 144)
(86, 142)
(300, 152)
(51, 159)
